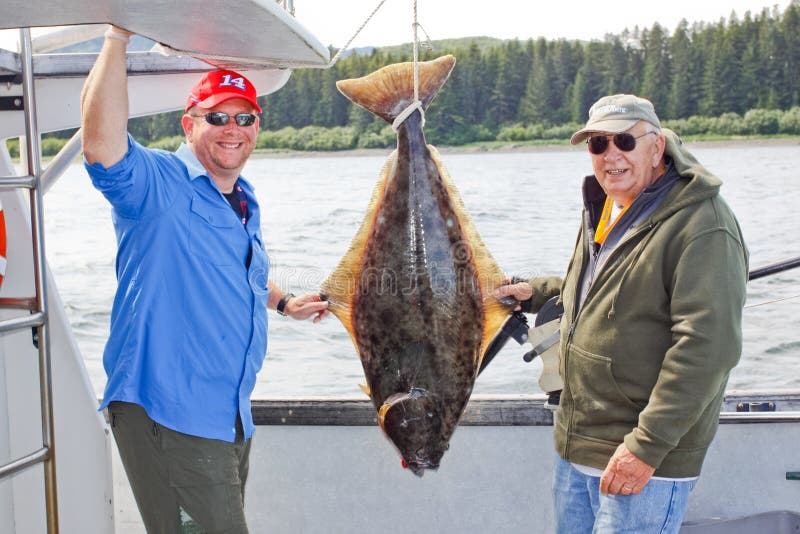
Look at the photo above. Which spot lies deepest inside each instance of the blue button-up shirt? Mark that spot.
(189, 320)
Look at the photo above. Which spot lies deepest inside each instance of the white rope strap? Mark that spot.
(400, 119)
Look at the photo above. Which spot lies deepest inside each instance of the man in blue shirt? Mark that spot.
(189, 320)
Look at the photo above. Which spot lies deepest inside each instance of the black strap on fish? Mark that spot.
(515, 327)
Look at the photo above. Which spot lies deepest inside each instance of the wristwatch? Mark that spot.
(282, 303)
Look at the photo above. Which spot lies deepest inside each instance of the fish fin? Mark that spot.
(339, 288)
(388, 91)
(490, 275)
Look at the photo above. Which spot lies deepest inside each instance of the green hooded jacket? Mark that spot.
(646, 358)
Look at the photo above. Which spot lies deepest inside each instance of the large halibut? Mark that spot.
(414, 290)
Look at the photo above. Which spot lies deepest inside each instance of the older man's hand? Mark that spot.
(520, 291)
(625, 474)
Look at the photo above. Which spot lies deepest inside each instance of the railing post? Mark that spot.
(37, 230)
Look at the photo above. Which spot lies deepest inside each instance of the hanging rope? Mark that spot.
(416, 54)
(416, 105)
(347, 45)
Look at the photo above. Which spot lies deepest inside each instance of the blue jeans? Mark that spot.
(581, 508)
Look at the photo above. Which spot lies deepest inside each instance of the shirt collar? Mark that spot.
(196, 169)
(193, 166)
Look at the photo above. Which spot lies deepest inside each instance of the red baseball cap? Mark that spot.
(217, 86)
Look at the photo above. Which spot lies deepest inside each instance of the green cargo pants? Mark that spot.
(171, 473)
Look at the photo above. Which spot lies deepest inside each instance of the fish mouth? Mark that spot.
(418, 467)
(413, 423)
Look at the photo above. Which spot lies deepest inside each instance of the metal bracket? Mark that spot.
(10, 79)
(766, 406)
(12, 103)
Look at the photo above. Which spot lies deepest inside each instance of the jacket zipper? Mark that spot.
(587, 250)
(613, 255)
(574, 318)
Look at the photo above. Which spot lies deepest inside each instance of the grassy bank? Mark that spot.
(532, 145)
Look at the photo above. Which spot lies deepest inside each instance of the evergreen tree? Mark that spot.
(473, 87)
(752, 67)
(540, 103)
(656, 80)
(636, 57)
(567, 60)
(588, 83)
(722, 69)
(771, 44)
(736, 45)
(616, 77)
(680, 96)
(790, 28)
(510, 85)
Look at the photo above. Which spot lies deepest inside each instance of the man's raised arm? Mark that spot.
(104, 103)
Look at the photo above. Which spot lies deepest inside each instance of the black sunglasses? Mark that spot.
(218, 118)
(624, 141)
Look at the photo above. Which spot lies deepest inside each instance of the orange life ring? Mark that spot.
(2, 244)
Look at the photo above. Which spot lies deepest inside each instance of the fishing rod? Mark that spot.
(516, 326)
(773, 268)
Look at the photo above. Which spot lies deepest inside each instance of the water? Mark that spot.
(526, 206)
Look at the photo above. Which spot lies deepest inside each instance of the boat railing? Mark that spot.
(37, 306)
(738, 406)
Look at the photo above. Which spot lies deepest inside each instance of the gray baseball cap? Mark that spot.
(615, 114)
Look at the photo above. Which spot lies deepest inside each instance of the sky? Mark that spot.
(334, 22)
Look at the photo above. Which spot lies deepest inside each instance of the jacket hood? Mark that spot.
(697, 183)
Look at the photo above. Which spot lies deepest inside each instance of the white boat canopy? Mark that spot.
(236, 33)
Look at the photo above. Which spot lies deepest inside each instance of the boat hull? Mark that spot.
(323, 466)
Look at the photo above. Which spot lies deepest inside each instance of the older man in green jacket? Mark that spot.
(653, 300)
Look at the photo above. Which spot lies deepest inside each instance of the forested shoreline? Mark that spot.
(739, 76)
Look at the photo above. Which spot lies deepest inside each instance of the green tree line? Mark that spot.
(699, 70)
(738, 76)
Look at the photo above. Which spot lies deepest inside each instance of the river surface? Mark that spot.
(526, 205)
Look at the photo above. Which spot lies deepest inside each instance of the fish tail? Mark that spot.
(388, 91)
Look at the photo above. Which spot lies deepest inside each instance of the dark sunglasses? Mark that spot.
(218, 118)
(624, 141)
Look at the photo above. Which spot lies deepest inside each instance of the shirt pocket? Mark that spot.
(211, 233)
(258, 273)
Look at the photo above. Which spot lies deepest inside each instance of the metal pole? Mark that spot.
(23, 463)
(37, 231)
